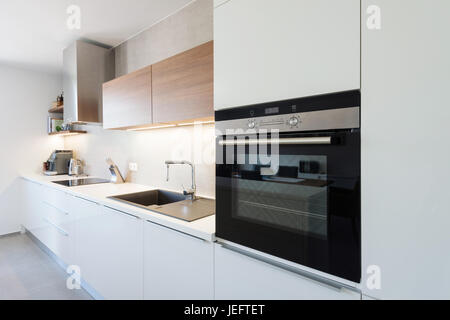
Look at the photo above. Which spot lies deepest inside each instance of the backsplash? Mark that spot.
(150, 149)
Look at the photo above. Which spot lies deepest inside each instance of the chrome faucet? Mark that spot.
(190, 194)
(116, 176)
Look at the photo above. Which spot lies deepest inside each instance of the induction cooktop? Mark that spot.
(81, 182)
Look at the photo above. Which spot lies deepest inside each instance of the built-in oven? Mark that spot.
(288, 180)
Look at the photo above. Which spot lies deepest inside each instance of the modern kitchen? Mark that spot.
(224, 150)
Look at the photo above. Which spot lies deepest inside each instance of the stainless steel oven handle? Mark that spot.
(305, 140)
(304, 274)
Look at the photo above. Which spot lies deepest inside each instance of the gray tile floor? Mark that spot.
(28, 273)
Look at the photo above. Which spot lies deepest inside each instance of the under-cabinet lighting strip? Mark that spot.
(150, 128)
(194, 123)
(172, 125)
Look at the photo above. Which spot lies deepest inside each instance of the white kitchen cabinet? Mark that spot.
(177, 266)
(405, 153)
(266, 50)
(57, 233)
(239, 277)
(32, 205)
(109, 250)
(47, 218)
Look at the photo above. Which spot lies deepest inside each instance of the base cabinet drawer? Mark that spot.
(55, 198)
(239, 277)
(275, 50)
(177, 266)
(58, 238)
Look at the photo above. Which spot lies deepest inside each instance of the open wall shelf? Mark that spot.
(58, 109)
(67, 133)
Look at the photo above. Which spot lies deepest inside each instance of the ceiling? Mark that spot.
(34, 33)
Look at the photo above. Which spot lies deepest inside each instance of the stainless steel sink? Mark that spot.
(151, 198)
(169, 203)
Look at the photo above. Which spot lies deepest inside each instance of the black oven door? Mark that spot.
(306, 209)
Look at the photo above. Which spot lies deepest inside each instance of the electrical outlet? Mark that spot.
(133, 166)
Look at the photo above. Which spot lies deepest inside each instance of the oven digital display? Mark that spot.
(273, 110)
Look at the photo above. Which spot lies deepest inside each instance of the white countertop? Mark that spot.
(203, 228)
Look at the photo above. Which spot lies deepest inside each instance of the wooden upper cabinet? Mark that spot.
(127, 101)
(183, 86)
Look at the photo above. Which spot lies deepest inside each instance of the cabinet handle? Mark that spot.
(59, 229)
(56, 208)
(304, 274)
(128, 214)
(93, 202)
(178, 231)
(288, 141)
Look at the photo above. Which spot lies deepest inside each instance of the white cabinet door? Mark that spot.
(405, 154)
(267, 50)
(32, 205)
(109, 250)
(243, 278)
(176, 265)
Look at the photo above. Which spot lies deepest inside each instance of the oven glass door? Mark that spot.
(301, 203)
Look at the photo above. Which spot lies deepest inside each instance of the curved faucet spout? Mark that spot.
(189, 193)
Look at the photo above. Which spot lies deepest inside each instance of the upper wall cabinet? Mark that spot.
(178, 89)
(267, 50)
(183, 86)
(128, 100)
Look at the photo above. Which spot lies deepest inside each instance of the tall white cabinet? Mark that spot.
(405, 149)
(267, 50)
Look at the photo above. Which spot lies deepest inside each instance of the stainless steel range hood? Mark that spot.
(86, 67)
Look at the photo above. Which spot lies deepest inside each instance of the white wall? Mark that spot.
(25, 97)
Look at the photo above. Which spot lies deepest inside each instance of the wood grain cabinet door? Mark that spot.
(127, 101)
(183, 86)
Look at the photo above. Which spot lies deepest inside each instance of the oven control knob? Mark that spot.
(252, 124)
(293, 121)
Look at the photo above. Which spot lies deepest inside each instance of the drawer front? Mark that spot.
(240, 277)
(56, 215)
(55, 198)
(56, 238)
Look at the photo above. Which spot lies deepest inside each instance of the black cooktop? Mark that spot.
(81, 182)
